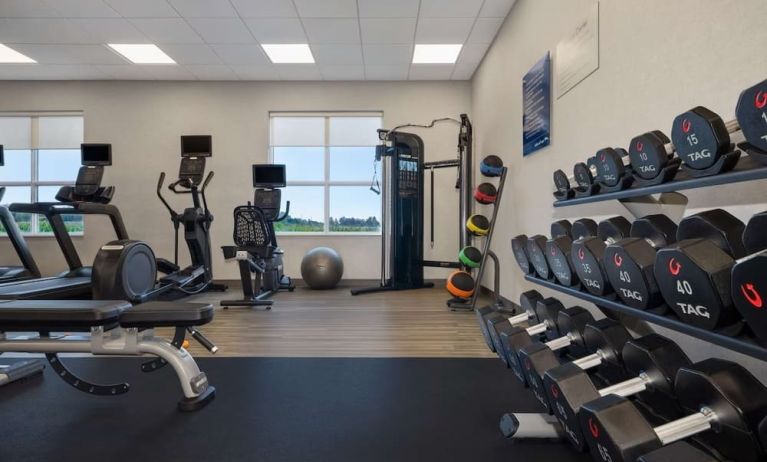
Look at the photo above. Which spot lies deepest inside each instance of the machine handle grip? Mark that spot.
(284, 214)
(197, 335)
(160, 181)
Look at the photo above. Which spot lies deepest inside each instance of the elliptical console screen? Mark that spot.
(268, 175)
(96, 154)
(196, 146)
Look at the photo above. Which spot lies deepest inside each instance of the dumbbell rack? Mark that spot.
(469, 305)
(747, 169)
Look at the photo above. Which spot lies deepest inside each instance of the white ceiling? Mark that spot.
(219, 39)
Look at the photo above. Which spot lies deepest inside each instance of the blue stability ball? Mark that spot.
(491, 166)
(322, 268)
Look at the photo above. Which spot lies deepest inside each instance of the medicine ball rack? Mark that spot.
(732, 337)
(456, 304)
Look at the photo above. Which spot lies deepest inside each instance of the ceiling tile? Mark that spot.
(451, 30)
(463, 72)
(387, 30)
(332, 30)
(484, 30)
(277, 30)
(496, 8)
(222, 30)
(204, 8)
(83, 9)
(49, 72)
(27, 9)
(165, 72)
(430, 71)
(191, 54)
(256, 72)
(212, 72)
(110, 30)
(326, 8)
(386, 71)
(265, 8)
(450, 8)
(70, 54)
(388, 9)
(337, 54)
(298, 71)
(143, 8)
(472, 54)
(28, 30)
(242, 54)
(387, 54)
(167, 30)
(127, 72)
(342, 72)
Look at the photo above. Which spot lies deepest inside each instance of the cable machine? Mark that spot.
(402, 206)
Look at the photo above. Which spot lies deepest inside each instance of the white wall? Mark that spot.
(143, 121)
(658, 58)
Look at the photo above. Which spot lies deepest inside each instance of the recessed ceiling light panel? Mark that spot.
(142, 53)
(436, 54)
(11, 56)
(289, 53)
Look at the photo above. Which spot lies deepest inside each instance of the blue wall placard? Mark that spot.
(536, 98)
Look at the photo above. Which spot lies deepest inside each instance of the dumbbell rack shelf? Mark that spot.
(747, 169)
(742, 343)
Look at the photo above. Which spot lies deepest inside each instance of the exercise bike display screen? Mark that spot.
(268, 176)
(95, 154)
(196, 146)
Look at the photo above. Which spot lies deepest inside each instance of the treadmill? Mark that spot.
(28, 268)
(86, 197)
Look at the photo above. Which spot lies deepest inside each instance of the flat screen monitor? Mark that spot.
(196, 146)
(96, 154)
(268, 176)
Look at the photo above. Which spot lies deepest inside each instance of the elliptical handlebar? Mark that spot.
(284, 214)
(160, 182)
(202, 192)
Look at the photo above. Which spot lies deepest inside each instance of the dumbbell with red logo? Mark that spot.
(588, 254)
(495, 322)
(749, 277)
(694, 273)
(559, 250)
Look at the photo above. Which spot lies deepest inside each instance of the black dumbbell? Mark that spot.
(702, 138)
(723, 402)
(519, 249)
(514, 337)
(601, 343)
(679, 451)
(588, 254)
(613, 166)
(558, 251)
(582, 180)
(536, 251)
(652, 362)
(694, 273)
(651, 154)
(629, 262)
(749, 285)
(494, 323)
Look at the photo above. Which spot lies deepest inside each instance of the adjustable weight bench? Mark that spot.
(116, 328)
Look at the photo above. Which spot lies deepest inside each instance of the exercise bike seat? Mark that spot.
(167, 314)
(60, 315)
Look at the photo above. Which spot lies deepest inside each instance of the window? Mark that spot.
(42, 153)
(329, 161)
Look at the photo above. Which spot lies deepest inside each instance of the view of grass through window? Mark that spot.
(329, 168)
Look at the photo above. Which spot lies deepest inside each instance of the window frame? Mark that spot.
(34, 182)
(326, 183)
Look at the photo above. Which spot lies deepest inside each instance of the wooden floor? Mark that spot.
(333, 323)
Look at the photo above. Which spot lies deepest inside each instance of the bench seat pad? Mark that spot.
(57, 315)
(167, 314)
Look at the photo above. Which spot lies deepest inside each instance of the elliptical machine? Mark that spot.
(128, 268)
(256, 249)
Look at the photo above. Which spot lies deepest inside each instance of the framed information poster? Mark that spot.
(536, 100)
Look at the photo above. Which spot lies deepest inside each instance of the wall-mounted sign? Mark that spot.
(536, 100)
(578, 54)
